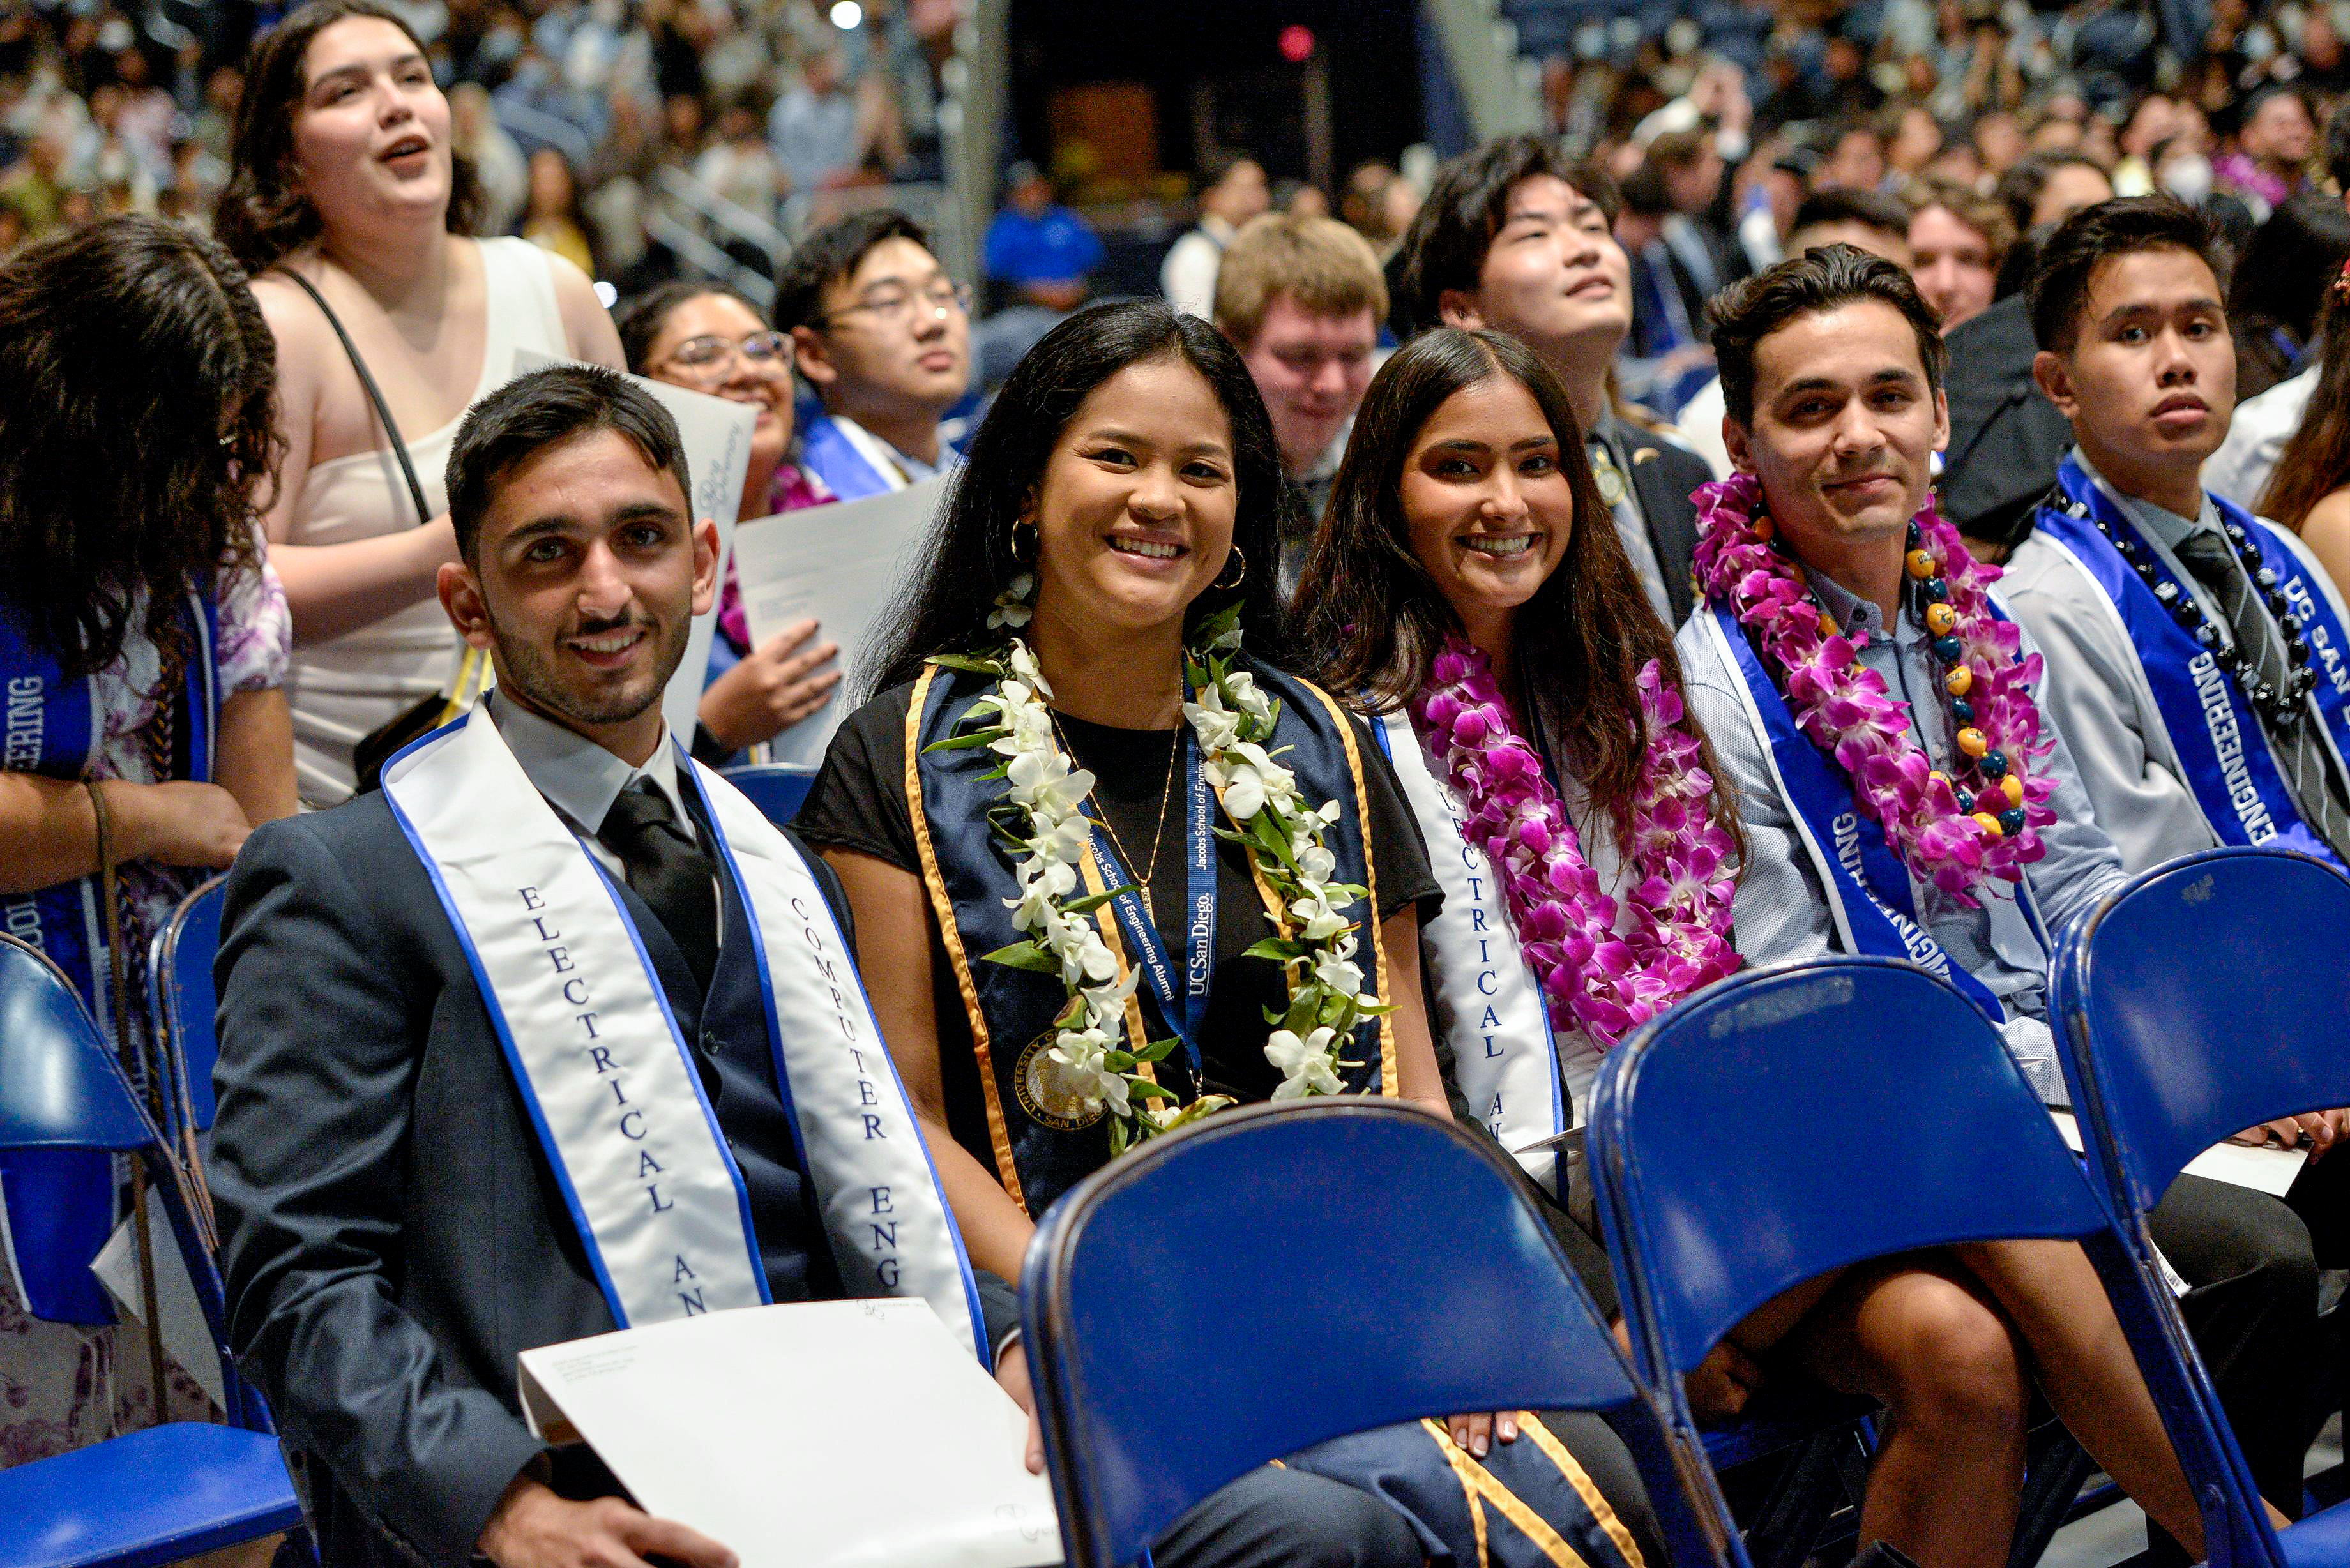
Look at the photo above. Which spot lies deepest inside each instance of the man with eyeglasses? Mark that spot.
(884, 339)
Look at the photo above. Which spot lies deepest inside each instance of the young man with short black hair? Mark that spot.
(1519, 238)
(883, 336)
(419, 1164)
(2198, 658)
(1904, 794)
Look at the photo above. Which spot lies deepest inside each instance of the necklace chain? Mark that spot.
(1166, 795)
(2282, 706)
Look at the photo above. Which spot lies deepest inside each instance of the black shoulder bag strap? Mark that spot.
(375, 394)
(378, 747)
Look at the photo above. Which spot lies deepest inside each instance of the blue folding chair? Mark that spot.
(1283, 1190)
(173, 1491)
(2169, 1053)
(777, 789)
(182, 1003)
(1727, 1169)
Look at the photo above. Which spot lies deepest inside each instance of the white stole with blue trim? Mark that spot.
(613, 1092)
(1487, 1001)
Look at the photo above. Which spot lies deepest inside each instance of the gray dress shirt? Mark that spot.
(1781, 909)
(2096, 690)
(581, 780)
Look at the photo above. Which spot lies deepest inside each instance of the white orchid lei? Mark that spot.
(1042, 826)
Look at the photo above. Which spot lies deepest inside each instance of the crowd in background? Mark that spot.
(1689, 150)
(1719, 120)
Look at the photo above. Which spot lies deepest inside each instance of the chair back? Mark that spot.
(1804, 1117)
(179, 962)
(2207, 996)
(775, 788)
(1278, 1275)
(65, 1113)
(63, 1097)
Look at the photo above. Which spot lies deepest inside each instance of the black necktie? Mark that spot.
(2297, 747)
(667, 870)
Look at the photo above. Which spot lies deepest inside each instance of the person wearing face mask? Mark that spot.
(418, 1162)
(1967, 838)
(347, 204)
(883, 335)
(1519, 239)
(708, 338)
(1302, 299)
(1096, 611)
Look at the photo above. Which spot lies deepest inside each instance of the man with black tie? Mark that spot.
(2194, 666)
(555, 1034)
(1519, 238)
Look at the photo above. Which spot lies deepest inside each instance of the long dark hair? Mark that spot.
(138, 440)
(971, 559)
(2316, 462)
(1374, 618)
(262, 213)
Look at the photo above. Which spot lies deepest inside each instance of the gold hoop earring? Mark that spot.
(1242, 557)
(1012, 540)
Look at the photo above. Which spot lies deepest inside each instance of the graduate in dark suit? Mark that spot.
(554, 1035)
(1518, 238)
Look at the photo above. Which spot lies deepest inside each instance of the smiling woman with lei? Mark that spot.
(1532, 704)
(1113, 870)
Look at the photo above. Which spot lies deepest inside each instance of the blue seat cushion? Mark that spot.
(151, 1497)
(2321, 1540)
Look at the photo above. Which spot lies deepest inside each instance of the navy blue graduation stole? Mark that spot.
(61, 1202)
(2213, 727)
(1039, 1155)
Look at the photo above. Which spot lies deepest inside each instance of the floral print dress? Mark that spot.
(65, 1386)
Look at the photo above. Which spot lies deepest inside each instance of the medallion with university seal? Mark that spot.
(1046, 1102)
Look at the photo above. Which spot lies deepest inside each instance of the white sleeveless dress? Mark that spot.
(344, 690)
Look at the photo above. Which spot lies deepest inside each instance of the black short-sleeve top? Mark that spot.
(859, 803)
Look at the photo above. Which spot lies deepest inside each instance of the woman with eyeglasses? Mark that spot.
(707, 337)
(350, 209)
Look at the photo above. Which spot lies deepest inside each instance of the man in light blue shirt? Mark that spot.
(1832, 370)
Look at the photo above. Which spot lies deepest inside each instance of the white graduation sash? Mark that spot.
(1488, 1004)
(612, 1090)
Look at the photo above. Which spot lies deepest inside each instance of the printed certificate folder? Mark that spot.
(854, 1434)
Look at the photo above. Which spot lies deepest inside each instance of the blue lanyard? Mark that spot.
(1185, 1010)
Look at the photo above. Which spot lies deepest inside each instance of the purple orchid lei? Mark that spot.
(1592, 978)
(1958, 829)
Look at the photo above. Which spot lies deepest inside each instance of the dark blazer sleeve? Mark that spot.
(999, 1306)
(319, 1045)
(1666, 473)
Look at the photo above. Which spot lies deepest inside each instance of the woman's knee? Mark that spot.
(1953, 1361)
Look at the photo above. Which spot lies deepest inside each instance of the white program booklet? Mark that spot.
(849, 1434)
(2269, 1170)
(717, 436)
(842, 565)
